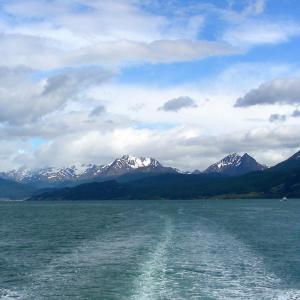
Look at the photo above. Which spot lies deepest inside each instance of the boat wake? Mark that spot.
(205, 262)
(152, 280)
(163, 256)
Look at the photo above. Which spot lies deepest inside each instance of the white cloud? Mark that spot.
(184, 147)
(23, 99)
(277, 91)
(63, 33)
(72, 132)
(10, 152)
(255, 7)
(258, 32)
(160, 51)
(90, 21)
(39, 53)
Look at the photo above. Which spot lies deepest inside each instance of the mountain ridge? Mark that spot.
(48, 176)
(129, 168)
(273, 182)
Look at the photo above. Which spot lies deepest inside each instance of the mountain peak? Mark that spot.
(136, 162)
(235, 164)
(128, 163)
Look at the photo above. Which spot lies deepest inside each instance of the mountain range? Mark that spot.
(132, 177)
(282, 180)
(232, 165)
(48, 177)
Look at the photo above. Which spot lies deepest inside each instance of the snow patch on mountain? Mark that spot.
(135, 162)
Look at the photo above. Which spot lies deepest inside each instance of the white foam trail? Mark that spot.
(6, 294)
(205, 262)
(151, 284)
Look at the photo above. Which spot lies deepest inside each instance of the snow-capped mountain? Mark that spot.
(83, 172)
(52, 175)
(232, 164)
(235, 165)
(129, 163)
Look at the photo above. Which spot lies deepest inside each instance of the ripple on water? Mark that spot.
(154, 252)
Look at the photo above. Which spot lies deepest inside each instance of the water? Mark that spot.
(245, 249)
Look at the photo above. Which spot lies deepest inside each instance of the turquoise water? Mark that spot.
(245, 249)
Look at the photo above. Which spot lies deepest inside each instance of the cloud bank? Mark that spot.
(83, 80)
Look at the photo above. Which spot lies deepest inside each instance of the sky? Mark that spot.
(184, 81)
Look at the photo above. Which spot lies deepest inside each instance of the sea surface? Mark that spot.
(239, 249)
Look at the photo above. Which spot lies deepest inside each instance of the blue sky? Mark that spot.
(184, 81)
